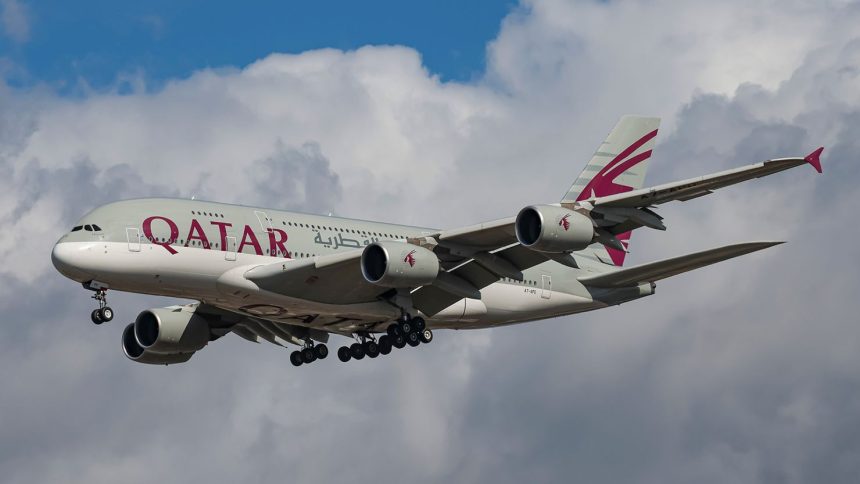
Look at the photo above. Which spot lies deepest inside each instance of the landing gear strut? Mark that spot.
(408, 330)
(104, 313)
(309, 353)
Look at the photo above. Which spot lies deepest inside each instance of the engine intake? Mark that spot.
(551, 229)
(135, 352)
(165, 335)
(395, 264)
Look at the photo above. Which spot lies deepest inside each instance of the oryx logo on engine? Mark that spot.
(564, 222)
(410, 259)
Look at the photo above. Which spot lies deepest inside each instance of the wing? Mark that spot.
(655, 271)
(630, 210)
(329, 279)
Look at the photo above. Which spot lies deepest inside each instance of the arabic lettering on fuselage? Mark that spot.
(338, 240)
(277, 238)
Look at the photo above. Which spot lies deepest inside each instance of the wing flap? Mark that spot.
(654, 271)
(432, 299)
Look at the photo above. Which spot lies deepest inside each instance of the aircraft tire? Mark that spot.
(356, 350)
(399, 342)
(406, 327)
(413, 339)
(321, 351)
(371, 349)
(106, 314)
(308, 355)
(393, 330)
(419, 324)
(426, 336)
(95, 317)
(296, 358)
(343, 354)
(385, 344)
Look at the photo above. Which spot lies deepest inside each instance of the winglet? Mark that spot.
(813, 159)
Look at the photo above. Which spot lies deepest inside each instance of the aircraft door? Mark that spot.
(230, 250)
(546, 286)
(133, 235)
(265, 221)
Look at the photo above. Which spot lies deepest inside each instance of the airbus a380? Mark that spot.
(295, 279)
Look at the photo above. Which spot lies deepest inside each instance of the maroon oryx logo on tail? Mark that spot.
(410, 259)
(564, 222)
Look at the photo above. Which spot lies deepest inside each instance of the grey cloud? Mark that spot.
(295, 178)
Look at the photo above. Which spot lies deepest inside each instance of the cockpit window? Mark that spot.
(97, 228)
(77, 227)
(88, 228)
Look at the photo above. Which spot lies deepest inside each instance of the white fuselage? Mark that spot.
(134, 253)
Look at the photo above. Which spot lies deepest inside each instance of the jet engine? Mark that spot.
(164, 336)
(551, 229)
(395, 264)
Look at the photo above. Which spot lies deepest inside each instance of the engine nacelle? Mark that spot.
(135, 352)
(546, 228)
(395, 264)
(165, 335)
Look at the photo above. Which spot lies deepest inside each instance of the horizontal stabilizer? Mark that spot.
(654, 271)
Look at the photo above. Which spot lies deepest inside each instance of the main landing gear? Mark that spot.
(309, 354)
(104, 313)
(408, 331)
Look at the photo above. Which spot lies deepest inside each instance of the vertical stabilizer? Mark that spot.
(619, 165)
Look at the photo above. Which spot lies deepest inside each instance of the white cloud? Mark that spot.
(739, 372)
(15, 19)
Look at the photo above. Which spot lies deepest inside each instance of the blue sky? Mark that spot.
(98, 39)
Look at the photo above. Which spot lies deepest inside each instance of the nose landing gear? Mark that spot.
(104, 313)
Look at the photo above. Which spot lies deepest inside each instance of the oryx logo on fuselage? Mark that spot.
(410, 259)
(564, 222)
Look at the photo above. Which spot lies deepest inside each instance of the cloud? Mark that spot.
(739, 372)
(15, 18)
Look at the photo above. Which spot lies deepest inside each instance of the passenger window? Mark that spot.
(77, 228)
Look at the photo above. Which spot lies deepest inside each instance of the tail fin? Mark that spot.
(619, 165)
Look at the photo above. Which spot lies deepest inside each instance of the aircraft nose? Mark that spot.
(64, 257)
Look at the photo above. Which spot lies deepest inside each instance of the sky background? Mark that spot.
(440, 114)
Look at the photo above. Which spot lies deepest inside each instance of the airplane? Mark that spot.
(295, 279)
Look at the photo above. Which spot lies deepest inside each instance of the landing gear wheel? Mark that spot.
(406, 326)
(393, 330)
(106, 314)
(426, 336)
(371, 349)
(356, 350)
(321, 351)
(413, 339)
(343, 354)
(308, 355)
(385, 344)
(399, 342)
(419, 324)
(296, 358)
(95, 317)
